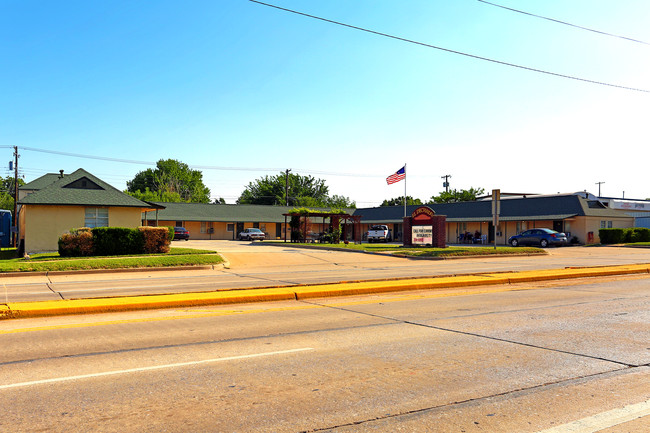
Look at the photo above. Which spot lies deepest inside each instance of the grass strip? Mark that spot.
(399, 250)
(69, 264)
(468, 252)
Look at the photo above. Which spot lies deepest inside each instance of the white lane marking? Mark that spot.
(154, 367)
(604, 420)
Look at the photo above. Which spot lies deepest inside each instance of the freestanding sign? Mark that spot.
(496, 210)
(422, 222)
(424, 227)
(422, 235)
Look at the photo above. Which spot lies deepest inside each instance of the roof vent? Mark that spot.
(60, 174)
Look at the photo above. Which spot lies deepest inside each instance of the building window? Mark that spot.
(606, 224)
(231, 227)
(179, 223)
(256, 225)
(96, 217)
(204, 226)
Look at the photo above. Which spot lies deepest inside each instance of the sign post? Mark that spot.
(496, 210)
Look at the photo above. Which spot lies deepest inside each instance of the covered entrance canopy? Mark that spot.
(337, 230)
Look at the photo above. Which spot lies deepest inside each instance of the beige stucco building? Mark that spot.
(55, 203)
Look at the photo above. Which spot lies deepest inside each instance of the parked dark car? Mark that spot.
(252, 235)
(181, 233)
(541, 237)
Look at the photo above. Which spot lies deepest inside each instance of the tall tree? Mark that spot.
(302, 191)
(399, 201)
(455, 195)
(171, 177)
(7, 192)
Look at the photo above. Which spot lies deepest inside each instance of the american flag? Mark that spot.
(397, 176)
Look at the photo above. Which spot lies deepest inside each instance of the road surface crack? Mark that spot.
(473, 334)
(54, 291)
(470, 401)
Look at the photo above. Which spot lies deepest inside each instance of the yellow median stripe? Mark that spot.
(103, 305)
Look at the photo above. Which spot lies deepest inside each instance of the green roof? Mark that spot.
(79, 188)
(42, 182)
(225, 212)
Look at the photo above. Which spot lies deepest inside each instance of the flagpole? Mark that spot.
(404, 190)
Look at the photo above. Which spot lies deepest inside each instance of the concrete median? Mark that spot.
(130, 303)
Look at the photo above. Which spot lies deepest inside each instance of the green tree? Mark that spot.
(171, 177)
(7, 191)
(148, 195)
(399, 201)
(303, 191)
(455, 195)
(340, 202)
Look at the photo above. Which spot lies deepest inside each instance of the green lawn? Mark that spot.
(53, 262)
(424, 251)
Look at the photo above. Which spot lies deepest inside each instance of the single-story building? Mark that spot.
(575, 214)
(56, 203)
(578, 215)
(226, 221)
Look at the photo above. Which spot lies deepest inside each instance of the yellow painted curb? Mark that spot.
(560, 274)
(363, 288)
(126, 303)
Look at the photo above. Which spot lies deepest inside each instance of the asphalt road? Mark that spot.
(507, 359)
(261, 265)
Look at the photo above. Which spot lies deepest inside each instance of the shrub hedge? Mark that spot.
(77, 243)
(114, 241)
(621, 236)
(156, 239)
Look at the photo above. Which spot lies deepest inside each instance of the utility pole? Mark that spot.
(446, 182)
(15, 218)
(286, 187)
(599, 183)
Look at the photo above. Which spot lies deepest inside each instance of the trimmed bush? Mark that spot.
(611, 236)
(637, 234)
(115, 241)
(77, 243)
(156, 239)
(621, 236)
(171, 233)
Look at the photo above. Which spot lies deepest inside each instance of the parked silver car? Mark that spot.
(252, 235)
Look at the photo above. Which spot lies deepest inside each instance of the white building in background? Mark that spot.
(639, 209)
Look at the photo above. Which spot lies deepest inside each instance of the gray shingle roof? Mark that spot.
(520, 209)
(224, 212)
(68, 191)
(556, 207)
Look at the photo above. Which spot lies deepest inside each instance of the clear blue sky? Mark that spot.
(232, 84)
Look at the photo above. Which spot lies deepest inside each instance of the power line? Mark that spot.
(202, 167)
(564, 22)
(541, 71)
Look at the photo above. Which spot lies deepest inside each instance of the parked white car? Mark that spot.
(379, 233)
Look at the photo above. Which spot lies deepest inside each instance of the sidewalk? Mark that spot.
(300, 292)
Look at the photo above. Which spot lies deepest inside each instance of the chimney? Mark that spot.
(60, 174)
